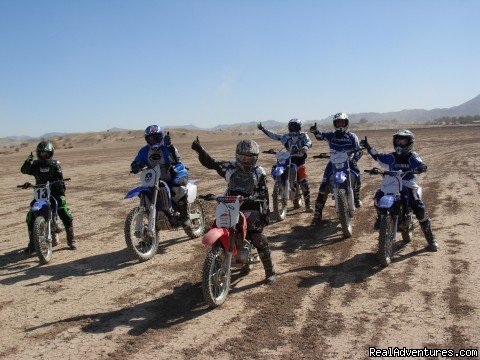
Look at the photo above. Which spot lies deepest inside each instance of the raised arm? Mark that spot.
(272, 135)
(207, 161)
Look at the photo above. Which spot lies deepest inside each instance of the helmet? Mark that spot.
(403, 141)
(246, 155)
(45, 151)
(337, 118)
(154, 136)
(294, 125)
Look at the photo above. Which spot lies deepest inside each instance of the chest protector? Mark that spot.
(160, 157)
(242, 182)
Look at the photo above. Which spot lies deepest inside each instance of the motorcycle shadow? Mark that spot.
(93, 265)
(308, 238)
(353, 270)
(183, 304)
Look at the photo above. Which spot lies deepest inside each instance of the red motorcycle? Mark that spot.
(227, 237)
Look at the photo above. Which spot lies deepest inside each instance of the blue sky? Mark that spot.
(86, 65)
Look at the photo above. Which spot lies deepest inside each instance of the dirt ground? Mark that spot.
(331, 300)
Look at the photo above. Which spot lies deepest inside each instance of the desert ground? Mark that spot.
(331, 300)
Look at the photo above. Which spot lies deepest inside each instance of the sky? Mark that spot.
(83, 65)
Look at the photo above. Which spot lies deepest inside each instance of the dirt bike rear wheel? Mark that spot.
(344, 214)
(385, 240)
(143, 248)
(197, 228)
(279, 205)
(215, 283)
(43, 247)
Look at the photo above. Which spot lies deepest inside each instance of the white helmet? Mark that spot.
(294, 125)
(336, 118)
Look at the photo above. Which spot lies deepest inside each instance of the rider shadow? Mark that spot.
(183, 304)
(354, 270)
(9, 260)
(93, 265)
(308, 238)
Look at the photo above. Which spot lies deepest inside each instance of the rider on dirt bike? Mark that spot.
(45, 168)
(298, 143)
(160, 151)
(246, 179)
(403, 158)
(340, 139)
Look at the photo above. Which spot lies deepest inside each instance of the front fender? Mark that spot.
(213, 235)
(386, 201)
(340, 177)
(278, 171)
(39, 205)
(137, 191)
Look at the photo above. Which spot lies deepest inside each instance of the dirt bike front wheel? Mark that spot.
(279, 202)
(215, 280)
(43, 246)
(385, 240)
(142, 245)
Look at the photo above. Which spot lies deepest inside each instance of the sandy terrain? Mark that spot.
(331, 299)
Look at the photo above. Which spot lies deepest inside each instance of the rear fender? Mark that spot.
(137, 191)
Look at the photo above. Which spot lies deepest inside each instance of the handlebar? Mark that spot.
(327, 155)
(30, 185)
(377, 171)
(229, 199)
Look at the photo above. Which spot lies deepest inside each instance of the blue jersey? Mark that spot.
(393, 161)
(341, 142)
(164, 156)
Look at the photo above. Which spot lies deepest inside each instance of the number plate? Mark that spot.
(391, 185)
(226, 215)
(148, 177)
(40, 193)
(338, 157)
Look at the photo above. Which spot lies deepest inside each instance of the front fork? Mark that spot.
(151, 215)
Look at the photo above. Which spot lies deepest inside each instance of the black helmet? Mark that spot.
(294, 126)
(45, 151)
(246, 155)
(403, 147)
(340, 129)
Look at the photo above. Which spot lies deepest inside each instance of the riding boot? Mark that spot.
(265, 257)
(427, 231)
(319, 204)
(306, 196)
(70, 237)
(30, 249)
(183, 210)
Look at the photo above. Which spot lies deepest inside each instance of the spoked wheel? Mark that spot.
(141, 244)
(385, 240)
(344, 214)
(279, 201)
(215, 280)
(43, 246)
(197, 218)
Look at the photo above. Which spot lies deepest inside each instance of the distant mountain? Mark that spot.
(50, 135)
(268, 123)
(471, 107)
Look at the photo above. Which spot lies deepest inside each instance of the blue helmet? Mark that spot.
(154, 136)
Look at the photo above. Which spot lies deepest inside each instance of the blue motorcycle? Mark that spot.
(394, 211)
(286, 186)
(341, 185)
(156, 212)
(45, 213)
